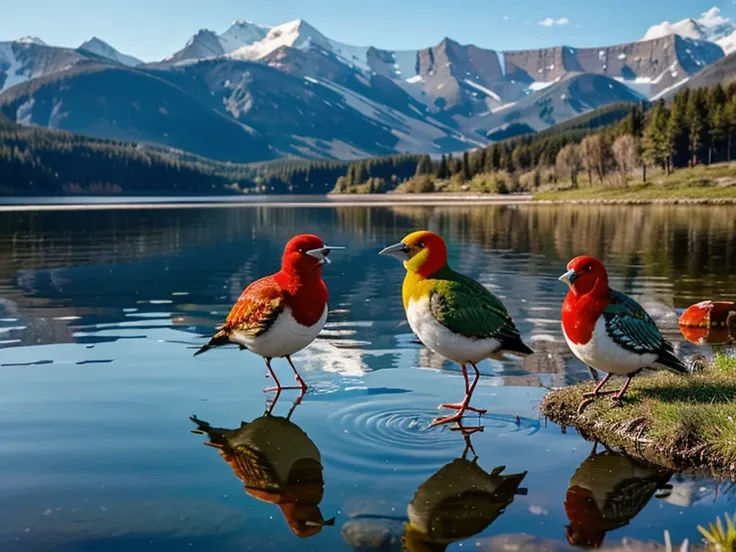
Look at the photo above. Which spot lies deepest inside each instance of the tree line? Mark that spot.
(695, 127)
(605, 146)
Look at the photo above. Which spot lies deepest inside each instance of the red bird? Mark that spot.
(281, 314)
(609, 331)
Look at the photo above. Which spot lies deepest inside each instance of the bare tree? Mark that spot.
(626, 153)
(588, 156)
(595, 153)
(568, 162)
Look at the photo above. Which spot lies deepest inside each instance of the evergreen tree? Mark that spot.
(465, 169)
(717, 130)
(656, 149)
(677, 134)
(424, 166)
(443, 171)
(697, 129)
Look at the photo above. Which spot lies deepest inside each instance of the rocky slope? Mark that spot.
(254, 92)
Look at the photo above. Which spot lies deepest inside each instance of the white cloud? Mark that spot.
(550, 22)
(505, 17)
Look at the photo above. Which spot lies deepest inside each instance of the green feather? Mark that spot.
(466, 307)
(629, 325)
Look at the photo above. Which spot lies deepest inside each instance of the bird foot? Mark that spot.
(463, 407)
(447, 419)
(302, 385)
(283, 388)
(584, 404)
(593, 394)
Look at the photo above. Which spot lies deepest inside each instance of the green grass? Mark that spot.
(700, 183)
(679, 422)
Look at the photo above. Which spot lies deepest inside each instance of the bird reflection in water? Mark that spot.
(458, 502)
(606, 492)
(277, 463)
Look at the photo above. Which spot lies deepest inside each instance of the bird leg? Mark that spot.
(593, 373)
(278, 387)
(300, 381)
(618, 397)
(591, 396)
(463, 406)
(468, 393)
(597, 391)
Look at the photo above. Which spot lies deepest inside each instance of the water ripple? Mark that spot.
(384, 435)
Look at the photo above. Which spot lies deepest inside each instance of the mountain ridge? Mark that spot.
(289, 90)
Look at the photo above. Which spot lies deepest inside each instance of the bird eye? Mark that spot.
(589, 268)
(301, 250)
(420, 245)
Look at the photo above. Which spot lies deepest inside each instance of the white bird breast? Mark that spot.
(285, 337)
(604, 354)
(443, 341)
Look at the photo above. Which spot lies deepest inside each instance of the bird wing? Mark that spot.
(630, 327)
(257, 308)
(466, 307)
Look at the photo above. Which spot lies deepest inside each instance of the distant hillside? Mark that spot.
(721, 72)
(257, 93)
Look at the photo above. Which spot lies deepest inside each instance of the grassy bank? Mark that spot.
(678, 422)
(702, 183)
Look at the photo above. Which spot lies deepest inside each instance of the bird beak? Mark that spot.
(397, 251)
(321, 253)
(568, 277)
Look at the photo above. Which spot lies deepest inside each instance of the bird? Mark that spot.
(606, 492)
(608, 330)
(457, 502)
(277, 463)
(452, 314)
(281, 314)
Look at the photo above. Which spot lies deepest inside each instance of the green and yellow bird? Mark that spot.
(451, 314)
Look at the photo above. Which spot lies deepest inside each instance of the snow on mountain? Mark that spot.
(103, 49)
(30, 40)
(242, 33)
(296, 34)
(11, 68)
(710, 26)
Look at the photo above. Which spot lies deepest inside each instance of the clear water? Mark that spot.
(100, 312)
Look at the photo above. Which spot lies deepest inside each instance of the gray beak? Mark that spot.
(397, 251)
(568, 277)
(321, 253)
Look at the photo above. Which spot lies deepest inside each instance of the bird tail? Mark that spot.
(669, 361)
(516, 346)
(222, 337)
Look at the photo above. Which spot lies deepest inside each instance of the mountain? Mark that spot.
(208, 44)
(721, 72)
(223, 109)
(117, 102)
(711, 26)
(28, 58)
(255, 92)
(103, 49)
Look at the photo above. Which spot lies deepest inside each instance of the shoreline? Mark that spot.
(101, 203)
(77, 203)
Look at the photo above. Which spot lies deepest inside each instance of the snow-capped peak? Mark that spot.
(30, 40)
(101, 48)
(710, 26)
(242, 33)
(295, 34)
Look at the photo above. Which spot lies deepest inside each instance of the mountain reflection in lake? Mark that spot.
(100, 312)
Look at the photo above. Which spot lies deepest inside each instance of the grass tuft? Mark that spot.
(678, 422)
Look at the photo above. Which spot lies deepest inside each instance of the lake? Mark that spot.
(101, 311)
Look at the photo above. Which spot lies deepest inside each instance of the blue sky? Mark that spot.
(152, 29)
